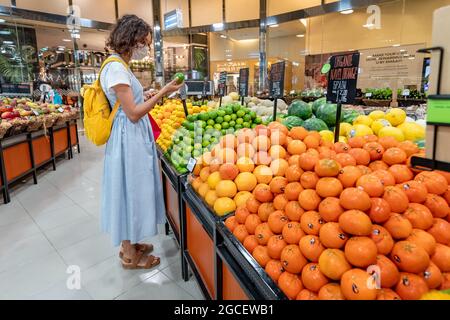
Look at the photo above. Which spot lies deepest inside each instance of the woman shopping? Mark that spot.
(132, 196)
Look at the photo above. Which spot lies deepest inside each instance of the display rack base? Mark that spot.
(23, 154)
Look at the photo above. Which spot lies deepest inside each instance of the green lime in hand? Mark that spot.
(179, 77)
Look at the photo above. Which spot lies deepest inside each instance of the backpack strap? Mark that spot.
(108, 60)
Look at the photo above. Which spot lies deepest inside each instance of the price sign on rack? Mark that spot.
(342, 79)
(277, 80)
(243, 82)
(222, 84)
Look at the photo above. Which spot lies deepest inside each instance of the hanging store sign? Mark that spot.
(231, 67)
(173, 19)
(342, 78)
(277, 79)
(243, 82)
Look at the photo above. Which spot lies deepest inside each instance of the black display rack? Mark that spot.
(28, 138)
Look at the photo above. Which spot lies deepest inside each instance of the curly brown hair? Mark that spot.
(127, 33)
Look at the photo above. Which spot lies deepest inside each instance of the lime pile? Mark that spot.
(201, 132)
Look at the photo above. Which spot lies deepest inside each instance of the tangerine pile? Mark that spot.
(334, 221)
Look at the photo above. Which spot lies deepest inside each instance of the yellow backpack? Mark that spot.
(98, 117)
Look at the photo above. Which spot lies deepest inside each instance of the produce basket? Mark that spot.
(35, 123)
(376, 103)
(4, 128)
(410, 102)
(49, 120)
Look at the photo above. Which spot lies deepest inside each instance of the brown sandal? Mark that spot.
(140, 262)
(145, 248)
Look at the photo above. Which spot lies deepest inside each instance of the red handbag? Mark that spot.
(155, 128)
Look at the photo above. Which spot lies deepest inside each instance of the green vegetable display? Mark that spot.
(317, 104)
(327, 113)
(292, 121)
(300, 109)
(315, 124)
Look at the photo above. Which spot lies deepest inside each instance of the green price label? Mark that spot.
(326, 68)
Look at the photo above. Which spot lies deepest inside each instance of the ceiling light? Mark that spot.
(223, 36)
(2, 20)
(402, 50)
(8, 42)
(228, 60)
(300, 36)
(274, 25)
(396, 45)
(304, 22)
(350, 11)
(5, 32)
(66, 40)
(369, 25)
(218, 26)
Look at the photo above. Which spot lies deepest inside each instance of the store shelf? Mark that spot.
(22, 154)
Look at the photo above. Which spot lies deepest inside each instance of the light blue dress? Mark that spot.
(132, 194)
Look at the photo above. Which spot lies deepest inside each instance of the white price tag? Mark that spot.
(292, 92)
(368, 94)
(36, 113)
(406, 92)
(60, 109)
(191, 164)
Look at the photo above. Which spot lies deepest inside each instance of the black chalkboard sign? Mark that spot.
(277, 79)
(243, 82)
(198, 87)
(342, 78)
(16, 88)
(222, 84)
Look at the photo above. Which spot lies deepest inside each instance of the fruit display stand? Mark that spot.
(242, 277)
(171, 181)
(222, 267)
(23, 154)
(199, 233)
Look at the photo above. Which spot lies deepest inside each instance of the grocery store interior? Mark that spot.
(305, 157)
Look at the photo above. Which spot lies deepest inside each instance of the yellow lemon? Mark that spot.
(213, 180)
(365, 120)
(343, 139)
(412, 131)
(327, 135)
(396, 116)
(392, 132)
(379, 124)
(376, 115)
(344, 128)
(359, 130)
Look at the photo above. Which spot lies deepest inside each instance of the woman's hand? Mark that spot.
(171, 87)
(150, 93)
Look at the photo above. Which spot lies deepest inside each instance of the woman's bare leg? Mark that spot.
(129, 250)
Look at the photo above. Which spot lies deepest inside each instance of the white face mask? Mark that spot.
(140, 53)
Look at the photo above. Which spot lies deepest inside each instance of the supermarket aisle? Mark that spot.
(55, 224)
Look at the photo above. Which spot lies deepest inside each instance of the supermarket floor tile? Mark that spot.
(23, 251)
(59, 291)
(29, 279)
(74, 232)
(55, 224)
(51, 219)
(12, 213)
(174, 273)
(89, 252)
(158, 287)
(108, 280)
